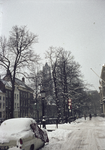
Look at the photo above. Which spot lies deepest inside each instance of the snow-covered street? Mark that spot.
(79, 135)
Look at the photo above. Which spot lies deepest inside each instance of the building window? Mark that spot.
(3, 105)
(0, 97)
(6, 93)
(15, 96)
(15, 105)
(103, 91)
(3, 98)
(28, 95)
(0, 105)
(0, 114)
(9, 94)
(22, 94)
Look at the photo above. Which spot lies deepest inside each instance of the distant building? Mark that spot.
(51, 109)
(23, 96)
(47, 83)
(5, 88)
(102, 90)
(47, 71)
(93, 102)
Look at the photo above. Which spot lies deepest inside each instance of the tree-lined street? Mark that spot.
(51, 56)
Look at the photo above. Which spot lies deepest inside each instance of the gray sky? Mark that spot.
(75, 25)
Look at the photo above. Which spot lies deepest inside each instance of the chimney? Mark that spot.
(23, 79)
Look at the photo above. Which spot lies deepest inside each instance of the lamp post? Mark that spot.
(43, 115)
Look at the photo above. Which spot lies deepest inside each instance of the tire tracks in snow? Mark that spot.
(83, 138)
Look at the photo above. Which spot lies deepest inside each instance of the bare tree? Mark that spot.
(52, 55)
(16, 55)
(66, 77)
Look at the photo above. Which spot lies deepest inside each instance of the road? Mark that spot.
(86, 135)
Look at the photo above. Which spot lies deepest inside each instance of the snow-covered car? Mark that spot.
(22, 134)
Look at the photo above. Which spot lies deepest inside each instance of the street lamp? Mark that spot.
(42, 92)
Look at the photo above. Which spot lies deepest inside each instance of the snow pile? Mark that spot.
(59, 134)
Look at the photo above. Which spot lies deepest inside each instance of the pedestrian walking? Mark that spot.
(90, 116)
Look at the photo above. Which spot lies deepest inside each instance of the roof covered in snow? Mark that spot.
(22, 84)
(19, 82)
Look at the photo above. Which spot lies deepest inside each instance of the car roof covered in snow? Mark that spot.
(17, 124)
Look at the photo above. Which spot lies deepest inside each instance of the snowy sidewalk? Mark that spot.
(79, 135)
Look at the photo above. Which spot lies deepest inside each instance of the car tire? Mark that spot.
(32, 147)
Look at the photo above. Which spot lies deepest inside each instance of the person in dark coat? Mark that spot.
(90, 116)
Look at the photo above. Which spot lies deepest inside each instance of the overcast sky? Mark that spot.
(76, 25)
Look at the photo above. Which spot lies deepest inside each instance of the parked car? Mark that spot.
(22, 134)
